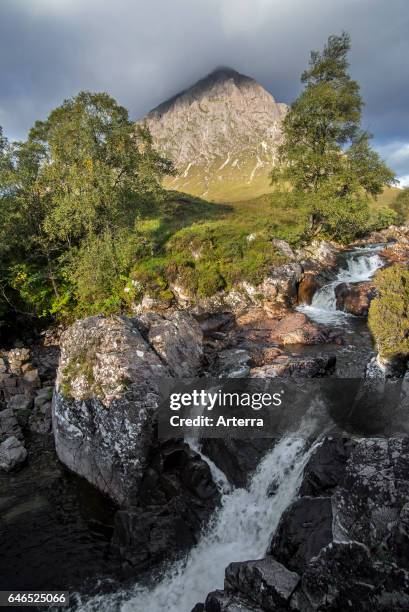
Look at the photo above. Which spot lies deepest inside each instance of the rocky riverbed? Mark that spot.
(156, 524)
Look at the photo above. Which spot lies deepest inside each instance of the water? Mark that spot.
(240, 531)
(360, 265)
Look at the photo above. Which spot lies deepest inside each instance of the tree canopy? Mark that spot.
(325, 153)
(81, 177)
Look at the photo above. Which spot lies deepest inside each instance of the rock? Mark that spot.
(12, 454)
(40, 420)
(307, 287)
(9, 426)
(3, 366)
(20, 402)
(16, 358)
(331, 578)
(222, 601)
(107, 395)
(31, 378)
(323, 253)
(283, 247)
(237, 459)
(355, 298)
(375, 488)
(296, 328)
(233, 363)
(234, 130)
(397, 253)
(256, 326)
(263, 355)
(177, 339)
(216, 322)
(280, 286)
(176, 497)
(265, 582)
(304, 529)
(285, 366)
(326, 467)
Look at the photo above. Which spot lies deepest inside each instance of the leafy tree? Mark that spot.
(389, 312)
(325, 153)
(401, 206)
(84, 175)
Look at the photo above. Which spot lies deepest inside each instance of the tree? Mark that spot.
(324, 152)
(84, 175)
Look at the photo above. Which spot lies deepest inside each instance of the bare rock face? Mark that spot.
(355, 298)
(107, 393)
(222, 135)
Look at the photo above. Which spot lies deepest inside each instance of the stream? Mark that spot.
(55, 529)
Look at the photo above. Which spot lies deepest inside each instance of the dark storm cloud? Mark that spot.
(143, 51)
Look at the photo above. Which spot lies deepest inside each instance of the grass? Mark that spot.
(205, 247)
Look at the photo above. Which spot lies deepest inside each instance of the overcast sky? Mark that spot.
(143, 51)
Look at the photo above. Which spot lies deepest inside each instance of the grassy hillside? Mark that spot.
(204, 247)
(247, 179)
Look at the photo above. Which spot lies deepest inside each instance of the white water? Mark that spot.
(240, 531)
(361, 265)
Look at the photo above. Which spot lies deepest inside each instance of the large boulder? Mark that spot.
(107, 393)
(176, 497)
(355, 298)
(177, 339)
(368, 504)
(326, 467)
(304, 529)
(265, 582)
(307, 287)
(236, 458)
(322, 253)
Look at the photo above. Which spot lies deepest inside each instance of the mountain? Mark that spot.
(222, 135)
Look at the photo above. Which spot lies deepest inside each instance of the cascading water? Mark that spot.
(240, 530)
(361, 265)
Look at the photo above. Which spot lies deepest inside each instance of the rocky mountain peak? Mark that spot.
(222, 135)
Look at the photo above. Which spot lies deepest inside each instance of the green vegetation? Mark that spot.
(86, 225)
(389, 312)
(401, 206)
(325, 154)
(226, 245)
(71, 199)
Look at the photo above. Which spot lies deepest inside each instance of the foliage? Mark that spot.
(71, 197)
(384, 218)
(389, 312)
(401, 206)
(325, 153)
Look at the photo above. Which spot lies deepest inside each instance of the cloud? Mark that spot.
(404, 181)
(142, 52)
(396, 155)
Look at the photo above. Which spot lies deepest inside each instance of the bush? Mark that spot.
(401, 206)
(384, 218)
(389, 312)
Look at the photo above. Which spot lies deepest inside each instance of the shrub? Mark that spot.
(389, 312)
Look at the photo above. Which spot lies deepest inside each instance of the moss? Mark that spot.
(81, 365)
(389, 312)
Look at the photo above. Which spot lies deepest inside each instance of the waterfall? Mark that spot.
(361, 265)
(240, 530)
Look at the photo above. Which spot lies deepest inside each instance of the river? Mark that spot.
(55, 528)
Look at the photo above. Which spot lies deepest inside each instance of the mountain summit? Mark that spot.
(222, 135)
